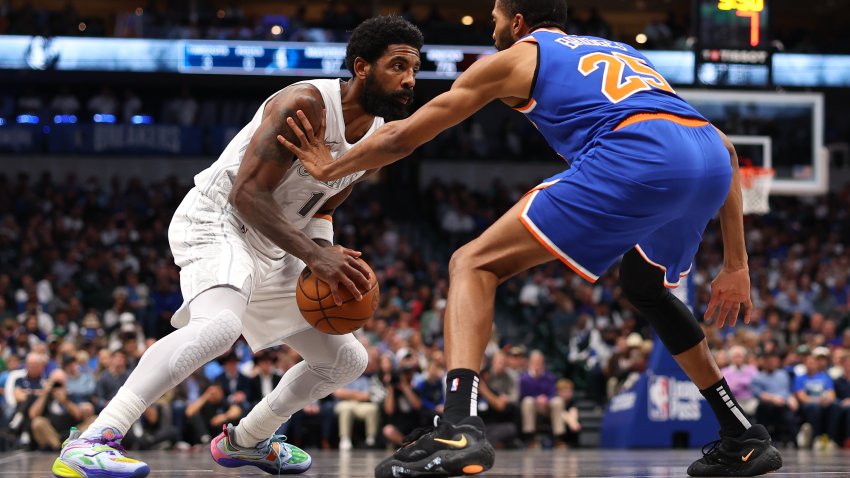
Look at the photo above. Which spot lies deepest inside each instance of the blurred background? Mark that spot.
(108, 109)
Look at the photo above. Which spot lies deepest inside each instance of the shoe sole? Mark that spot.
(64, 469)
(766, 462)
(443, 463)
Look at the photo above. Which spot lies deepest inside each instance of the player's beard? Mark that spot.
(504, 40)
(378, 102)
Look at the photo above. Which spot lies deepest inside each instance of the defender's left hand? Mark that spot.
(729, 291)
(312, 151)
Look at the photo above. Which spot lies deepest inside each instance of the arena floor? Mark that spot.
(561, 464)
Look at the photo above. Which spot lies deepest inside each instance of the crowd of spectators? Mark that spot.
(334, 22)
(87, 284)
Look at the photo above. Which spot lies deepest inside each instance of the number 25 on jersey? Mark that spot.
(616, 84)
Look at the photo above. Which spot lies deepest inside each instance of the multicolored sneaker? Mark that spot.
(101, 457)
(274, 455)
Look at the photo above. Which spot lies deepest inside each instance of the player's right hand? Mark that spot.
(338, 265)
(730, 290)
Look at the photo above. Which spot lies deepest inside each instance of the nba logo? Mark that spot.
(455, 384)
(659, 398)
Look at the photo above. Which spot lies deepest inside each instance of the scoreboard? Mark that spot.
(308, 59)
(733, 42)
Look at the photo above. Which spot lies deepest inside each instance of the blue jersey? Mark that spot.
(587, 86)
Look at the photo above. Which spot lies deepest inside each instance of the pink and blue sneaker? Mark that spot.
(273, 455)
(98, 457)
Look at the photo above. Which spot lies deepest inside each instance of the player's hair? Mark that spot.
(538, 13)
(372, 37)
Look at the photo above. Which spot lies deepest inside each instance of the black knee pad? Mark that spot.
(643, 284)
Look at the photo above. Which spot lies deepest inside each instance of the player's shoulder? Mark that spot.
(304, 95)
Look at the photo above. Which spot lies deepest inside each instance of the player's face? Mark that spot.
(502, 35)
(388, 89)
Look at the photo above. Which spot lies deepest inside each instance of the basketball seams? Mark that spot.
(316, 316)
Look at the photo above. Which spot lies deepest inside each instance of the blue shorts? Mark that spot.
(652, 185)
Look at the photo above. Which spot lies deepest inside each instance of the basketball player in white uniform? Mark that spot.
(241, 237)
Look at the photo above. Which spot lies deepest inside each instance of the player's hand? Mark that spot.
(729, 291)
(338, 265)
(312, 151)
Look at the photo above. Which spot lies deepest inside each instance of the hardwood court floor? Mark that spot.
(529, 463)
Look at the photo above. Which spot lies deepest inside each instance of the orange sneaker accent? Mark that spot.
(473, 469)
(747, 458)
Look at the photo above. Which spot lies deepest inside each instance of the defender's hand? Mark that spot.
(729, 290)
(312, 151)
(338, 265)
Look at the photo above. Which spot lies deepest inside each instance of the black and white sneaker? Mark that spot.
(749, 454)
(444, 450)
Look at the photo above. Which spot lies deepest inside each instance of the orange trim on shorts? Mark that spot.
(641, 117)
(526, 108)
(663, 269)
(531, 228)
(326, 217)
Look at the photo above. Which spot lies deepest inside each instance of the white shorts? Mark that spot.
(211, 249)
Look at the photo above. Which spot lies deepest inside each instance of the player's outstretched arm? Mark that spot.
(263, 166)
(731, 288)
(502, 75)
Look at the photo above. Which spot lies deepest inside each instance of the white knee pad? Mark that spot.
(351, 361)
(213, 338)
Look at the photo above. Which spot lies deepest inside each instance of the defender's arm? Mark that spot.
(505, 74)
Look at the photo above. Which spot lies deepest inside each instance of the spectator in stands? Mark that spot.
(355, 400)
(842, 392)
(112, 378)
(54, 410)
(208, 413)
(739, 375)
(26, 389)
(319, 414)
(234, 383)
(499, 389)
(155, 429)
(776, 406)
(265, 379)
(570, 415)
(79, 379)
(401, 404)
(431, 390)
(539, 397)
(816, 393)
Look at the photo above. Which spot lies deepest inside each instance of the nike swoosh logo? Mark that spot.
(746, 458)
(455, 443)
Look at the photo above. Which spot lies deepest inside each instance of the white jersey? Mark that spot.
(214, 246)
(298, 194)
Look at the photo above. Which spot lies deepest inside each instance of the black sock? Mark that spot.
(461, 394)
(726, 409)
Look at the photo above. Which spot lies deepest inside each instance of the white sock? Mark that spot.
(122, 412)
(258, 425)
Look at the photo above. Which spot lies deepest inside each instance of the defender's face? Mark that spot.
(502, 36)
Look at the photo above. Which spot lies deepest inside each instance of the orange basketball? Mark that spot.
(319, 309)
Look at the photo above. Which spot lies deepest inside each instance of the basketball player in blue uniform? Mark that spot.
(646, 174)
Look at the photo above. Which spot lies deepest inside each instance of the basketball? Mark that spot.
(317, 304)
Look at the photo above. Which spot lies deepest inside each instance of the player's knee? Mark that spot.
(639, 287)
(350, 363)
(464, 259)
(213, 338)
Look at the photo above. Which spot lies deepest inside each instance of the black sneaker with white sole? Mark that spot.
(445, 450)
(748, 454)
